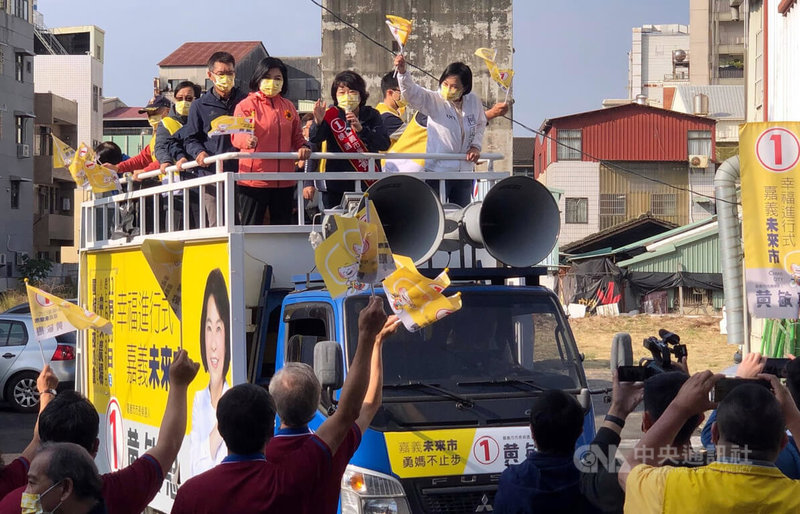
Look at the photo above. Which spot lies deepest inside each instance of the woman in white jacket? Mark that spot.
(456, 122)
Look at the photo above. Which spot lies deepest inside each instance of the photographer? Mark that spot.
(752, 364)
(599, 484)
(749, 434)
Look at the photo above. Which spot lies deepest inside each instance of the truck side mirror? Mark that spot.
(328, 364)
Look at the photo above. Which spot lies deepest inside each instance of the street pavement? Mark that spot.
(16, 430)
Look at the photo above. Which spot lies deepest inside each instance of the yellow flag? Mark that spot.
(502, 76)
(400, 28)
(53, 316)
(355, 255)
(418, 301)
(62, 153)
(166, 259)
(84, 167)
(487, 54)
(232, 125)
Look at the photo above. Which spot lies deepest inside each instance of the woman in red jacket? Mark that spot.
(277, 129)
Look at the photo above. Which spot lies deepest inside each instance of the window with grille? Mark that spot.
(699, 142)
(569, 145)
(19, 67)
(664, 204)
(95, 98)
(612, 205)
(577, 210)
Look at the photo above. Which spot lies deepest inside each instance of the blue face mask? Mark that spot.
(32, 503)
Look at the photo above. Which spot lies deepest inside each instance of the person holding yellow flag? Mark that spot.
(277, 129)
(456, 122)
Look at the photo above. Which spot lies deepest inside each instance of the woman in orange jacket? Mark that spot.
(277, 129)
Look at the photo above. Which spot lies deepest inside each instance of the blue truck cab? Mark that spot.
(456, 394)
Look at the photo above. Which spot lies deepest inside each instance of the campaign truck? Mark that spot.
(246, 300)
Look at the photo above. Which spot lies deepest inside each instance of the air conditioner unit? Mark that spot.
(698, 161)
(19, 260)
(23, 151)
(2, 259)
(66, 204)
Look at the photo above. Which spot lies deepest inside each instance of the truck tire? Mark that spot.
(21, 392)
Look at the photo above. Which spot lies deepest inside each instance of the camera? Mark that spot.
(663, 349)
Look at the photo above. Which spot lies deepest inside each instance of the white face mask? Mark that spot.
(32, 503)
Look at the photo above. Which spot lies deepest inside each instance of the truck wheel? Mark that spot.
(21, 392)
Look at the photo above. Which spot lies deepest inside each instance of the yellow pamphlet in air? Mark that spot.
(86, 172)
(356, 255)
(400, 28)
(166, 259)
(54, 316)
(62, 153)
(232, 125)
(418, 301)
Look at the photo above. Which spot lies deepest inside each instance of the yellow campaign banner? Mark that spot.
(769, 153)
(165, 259)
(461, 451)
(62, 153)
(418, 301)
(128, 370)
(54, 316)
(502, 76)
(487, 54)
(87, 173)
(232, 125)
(76, 168)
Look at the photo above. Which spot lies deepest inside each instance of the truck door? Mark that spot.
(306, 324)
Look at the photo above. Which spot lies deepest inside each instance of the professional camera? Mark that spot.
(662, 348)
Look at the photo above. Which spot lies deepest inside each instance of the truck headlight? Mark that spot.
(369, 492)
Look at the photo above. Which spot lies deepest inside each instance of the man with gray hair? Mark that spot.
(297, 392)
(63, 476)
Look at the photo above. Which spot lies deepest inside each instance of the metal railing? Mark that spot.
(101, 217)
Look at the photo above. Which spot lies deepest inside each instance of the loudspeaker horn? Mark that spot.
(517, 222)
(411, 215)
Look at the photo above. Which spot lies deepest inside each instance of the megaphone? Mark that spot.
(517, 222)
(411, 215)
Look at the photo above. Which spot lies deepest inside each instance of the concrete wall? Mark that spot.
(754, 65)
(74, 78)
(783, 69)
(16, 173)
(577, 179)
(444, 32)
(651, 59)
(699, 42)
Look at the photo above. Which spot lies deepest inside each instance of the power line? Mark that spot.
(537, 132)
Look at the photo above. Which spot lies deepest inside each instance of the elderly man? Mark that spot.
(63, 477)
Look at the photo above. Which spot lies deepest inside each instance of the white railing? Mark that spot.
(100, 216)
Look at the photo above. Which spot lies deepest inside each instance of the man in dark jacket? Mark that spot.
(547, 481)
(218, 101)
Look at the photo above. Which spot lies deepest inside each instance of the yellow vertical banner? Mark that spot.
(769, 153)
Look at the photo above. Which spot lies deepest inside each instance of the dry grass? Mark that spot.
(707, 348)
(12, 297)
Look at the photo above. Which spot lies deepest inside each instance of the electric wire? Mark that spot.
(609, 164)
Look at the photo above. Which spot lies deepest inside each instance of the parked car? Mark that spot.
(21, 361)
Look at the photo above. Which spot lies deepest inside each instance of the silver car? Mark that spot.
(21, 361)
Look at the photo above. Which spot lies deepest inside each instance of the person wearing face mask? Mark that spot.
(63, 478)
(169, 148)
(220, 100)
(393, 107)
(349, 125)
(456, 123)
(277, 129)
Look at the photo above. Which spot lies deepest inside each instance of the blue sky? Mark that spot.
(570, 54)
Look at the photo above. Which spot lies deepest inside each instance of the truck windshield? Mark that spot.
(499, 342)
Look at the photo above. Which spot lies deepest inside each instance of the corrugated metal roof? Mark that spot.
(668, 234)
(197, 53)
(698, 253)
(724, 102)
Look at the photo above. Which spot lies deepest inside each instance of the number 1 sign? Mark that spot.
(769, 155)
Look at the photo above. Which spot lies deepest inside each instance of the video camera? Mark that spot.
(663, 348)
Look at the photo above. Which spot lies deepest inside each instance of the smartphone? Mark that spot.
(776, 367)
(726, 385)
(634, 373)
